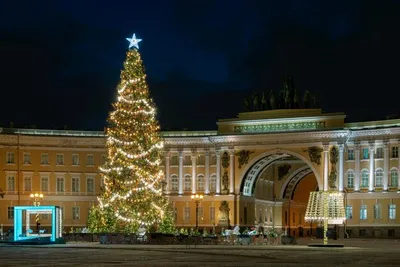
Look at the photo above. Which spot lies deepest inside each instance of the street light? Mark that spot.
(197, 198)
(36, 198)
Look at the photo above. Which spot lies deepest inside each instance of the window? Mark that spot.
(27, 183)
(44, 183)
(44, 159)
(363, 212)
(213, 183)
(350, 179)
(350, 154)
(10, 157)
(174, 182)
(394, 178)
(212, 213)
(349, 212)
(75, 213)
(200, 213)
(377, 211)
(27, 158)
(10, 182)
(364, 178)
(379, 153)
(174, 161)
(187, 161)
(200, 183)
(90, 160)
(378, 178)
(60, 159)
(392, 212)
(10, 213)
(60, 184)
(188, 182)
(201, 160)
(75, 159)
(90, 184)
(395, 152)
(214, 159)
(365, 153)
(75, 184)
(186, 213)
(44, 216)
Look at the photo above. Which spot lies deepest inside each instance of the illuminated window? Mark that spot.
(200, 183)
(365, 154)
(378, 178)
(364, 178)
(174, 182)
(349, 212)
(394, 178)
(392, 212)
(363, 212)
(213, 183)
(350, 179)
(188, 182)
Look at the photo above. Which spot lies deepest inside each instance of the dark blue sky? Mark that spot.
(61, 60)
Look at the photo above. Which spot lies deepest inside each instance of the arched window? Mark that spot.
(364, 178)
(394, 178)
(378, 177)
(174, 182)
(188, 182)
(213, 183)
(200, 182)
(350, 179)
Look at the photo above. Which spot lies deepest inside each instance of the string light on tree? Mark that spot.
(132, 192)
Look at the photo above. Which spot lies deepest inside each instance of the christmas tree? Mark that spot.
(132, 194)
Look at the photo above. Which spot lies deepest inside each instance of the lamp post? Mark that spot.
(36, 198)
(197, 198)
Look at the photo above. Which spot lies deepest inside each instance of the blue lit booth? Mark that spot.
(30, 233)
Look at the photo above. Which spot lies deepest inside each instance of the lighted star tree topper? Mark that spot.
(132, 194)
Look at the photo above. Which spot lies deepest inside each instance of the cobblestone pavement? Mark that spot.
(368, 253)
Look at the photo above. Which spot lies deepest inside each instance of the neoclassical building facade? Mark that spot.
(256, 169)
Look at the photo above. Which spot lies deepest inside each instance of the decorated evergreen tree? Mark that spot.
(132, 194)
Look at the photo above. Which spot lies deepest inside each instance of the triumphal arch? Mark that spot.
(260, 167)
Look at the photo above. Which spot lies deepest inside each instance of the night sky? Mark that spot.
(60, 60)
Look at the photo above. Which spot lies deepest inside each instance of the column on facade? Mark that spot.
(341, 167)
(232, 171)
(167, 176)
(194, 174)
(385, 165)
(371, 166)
(218, 182)
(180, 172)
(326, 166)
(357, 167)
(207, 173)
